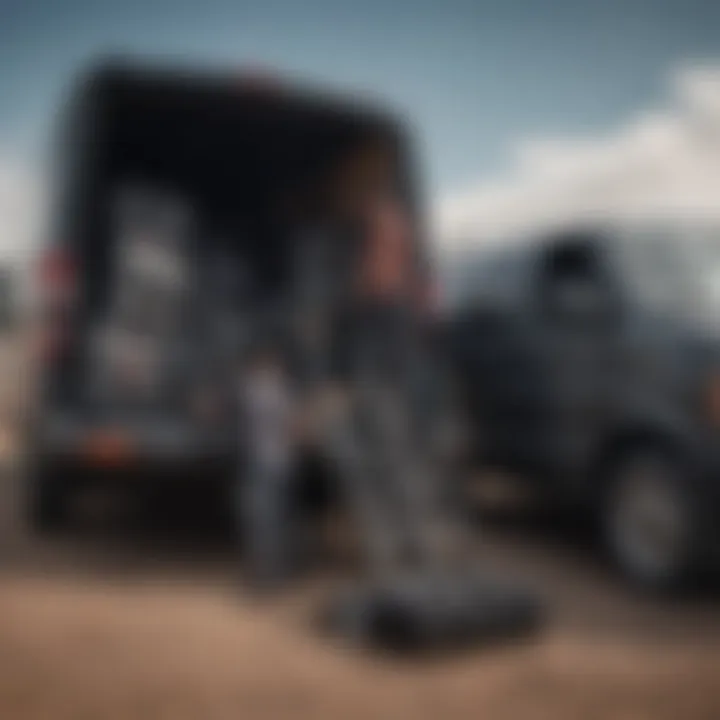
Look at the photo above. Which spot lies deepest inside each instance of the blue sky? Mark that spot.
(474, 76)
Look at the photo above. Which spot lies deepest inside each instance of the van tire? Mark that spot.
(649, 519)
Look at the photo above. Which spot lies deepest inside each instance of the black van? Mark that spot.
(228, 166)
(590, 359)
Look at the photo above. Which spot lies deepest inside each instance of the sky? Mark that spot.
(660, 164)
(476, 78)
(473, 75)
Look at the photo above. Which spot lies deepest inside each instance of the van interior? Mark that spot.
(255, 161)
(248, 158)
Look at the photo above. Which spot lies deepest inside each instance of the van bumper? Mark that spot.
(128, 445)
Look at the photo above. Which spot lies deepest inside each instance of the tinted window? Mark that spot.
(573, 284)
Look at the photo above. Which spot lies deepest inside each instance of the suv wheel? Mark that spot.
(649, 521)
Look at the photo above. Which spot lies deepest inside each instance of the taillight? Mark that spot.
(57, 280)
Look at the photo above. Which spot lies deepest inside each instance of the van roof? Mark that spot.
(137, 81)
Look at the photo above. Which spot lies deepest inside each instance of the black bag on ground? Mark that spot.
(432, 611)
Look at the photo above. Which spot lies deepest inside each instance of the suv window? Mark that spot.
(573, 284)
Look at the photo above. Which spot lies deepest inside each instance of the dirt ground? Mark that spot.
(134, 626)
(140, 623)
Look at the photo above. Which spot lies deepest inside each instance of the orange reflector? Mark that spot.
(109, 449)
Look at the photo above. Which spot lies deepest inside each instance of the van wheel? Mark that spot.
(48, 498)
(649, 520)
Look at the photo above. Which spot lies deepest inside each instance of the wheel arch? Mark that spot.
(633, 436)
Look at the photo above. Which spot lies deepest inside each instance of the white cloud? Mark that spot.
(665, 161)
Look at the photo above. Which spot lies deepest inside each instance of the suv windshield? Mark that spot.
(676, 268)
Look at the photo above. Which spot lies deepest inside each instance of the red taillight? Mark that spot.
(57, 287)
(108, 449)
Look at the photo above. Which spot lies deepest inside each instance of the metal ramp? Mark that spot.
(421, 589)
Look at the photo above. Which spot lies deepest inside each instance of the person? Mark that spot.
(387, 368)
(267, 422)
(368, 392)
(383, 288)
(383, 282)
(357, 300)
